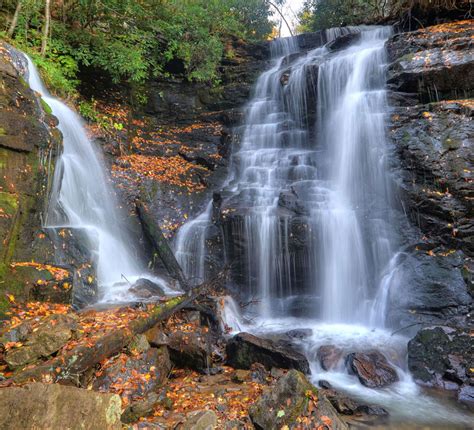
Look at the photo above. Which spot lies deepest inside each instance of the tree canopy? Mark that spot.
(322, 14)
(131, 40)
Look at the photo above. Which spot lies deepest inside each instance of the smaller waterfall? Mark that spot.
(83, 198)
(190, 247)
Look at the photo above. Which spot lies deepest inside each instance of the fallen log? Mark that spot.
(160, 244)
(68, 368)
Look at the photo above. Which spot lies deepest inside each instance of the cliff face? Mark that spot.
(174, 151)
(28, 144)
(431, 75)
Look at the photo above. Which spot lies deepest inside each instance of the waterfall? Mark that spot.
(322, 177)
(354, 227)
(82, 197)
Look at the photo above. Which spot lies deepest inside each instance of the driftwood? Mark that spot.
(161, 246)
(70, 366)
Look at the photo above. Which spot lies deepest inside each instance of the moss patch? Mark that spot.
(2, 132)
(46, 107)
(8, 203)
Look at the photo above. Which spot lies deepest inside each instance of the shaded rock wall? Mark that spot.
(28, 144)
(430, 74)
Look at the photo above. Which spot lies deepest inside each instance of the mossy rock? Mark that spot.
(289, 399)
(46, 107)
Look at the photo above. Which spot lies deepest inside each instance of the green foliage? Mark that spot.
(321, 14)
(88, 111)
(132, 41)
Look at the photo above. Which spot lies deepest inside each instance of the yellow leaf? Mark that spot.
(11, 298)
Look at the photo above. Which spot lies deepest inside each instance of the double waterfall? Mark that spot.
(320, 176)
(306, 217)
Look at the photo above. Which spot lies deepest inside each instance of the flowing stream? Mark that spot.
(328, 186)
(82, 198)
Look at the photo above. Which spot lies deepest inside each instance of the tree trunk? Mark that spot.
(47, 20)
(14, 22)
(281, 15)
(161, 246)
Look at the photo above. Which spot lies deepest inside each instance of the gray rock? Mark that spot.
(442, 357)
(140, 408)
(466, 395)
(155, 363)
(245, 349)
(200, 420)
(329, 356)
(52, 334)
(145, 289)
(189, 350)
(53, 406)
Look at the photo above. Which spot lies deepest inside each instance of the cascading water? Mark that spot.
(311, 208)
(354, 227)
(82, 198)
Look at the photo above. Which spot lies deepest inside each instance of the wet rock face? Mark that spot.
(434, 145)
(431, 289)
(27, 139)
(430, 77)
(435, 62)
(433, 142)
(443, 357)
(195, 122)
(145, 289)
(372, 369)
(49, 406)
(245, 349)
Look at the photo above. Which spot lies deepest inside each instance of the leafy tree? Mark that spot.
(322, 14)
(132, 41)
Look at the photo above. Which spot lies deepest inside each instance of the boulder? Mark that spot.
(347, 406)
(244, 349)
(466, 395)
(344, 41)
(156, 337)
(147, 372)
(145, 289)
(200, 420)
(138, 345)
(53, 406)
(329, 356)
(189, 350)
(51, 335)
(372, 369)
(140, 408)
(292, 397)
(442, 357)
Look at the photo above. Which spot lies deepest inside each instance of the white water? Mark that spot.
(405, 400)
(83, 198)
